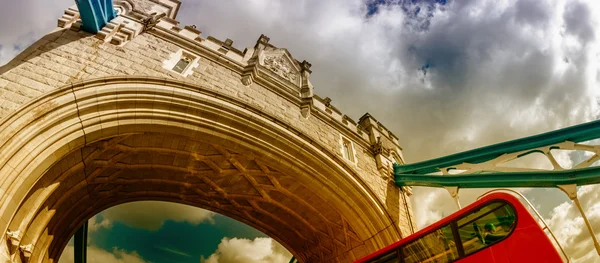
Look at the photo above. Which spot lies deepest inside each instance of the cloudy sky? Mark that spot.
(444, 76)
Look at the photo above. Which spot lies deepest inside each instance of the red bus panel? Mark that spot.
(496, 228)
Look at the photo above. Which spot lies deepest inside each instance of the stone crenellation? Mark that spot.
(320, 107)
(117, 32)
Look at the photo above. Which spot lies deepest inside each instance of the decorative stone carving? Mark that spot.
(144, 6)
(13, 235)
(152, 20)
(378, 147)
(306, 107)
(27, 248)
(13, 239)
(305, 111)
(247, 80)
(26, 252)
(327, 102)
(305, 66)
(263, 39)
(281, 67)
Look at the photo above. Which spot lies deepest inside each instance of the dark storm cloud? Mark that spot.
(532, 13)
(578, 21)
(446, 78)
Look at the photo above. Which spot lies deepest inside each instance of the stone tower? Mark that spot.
(148, 109)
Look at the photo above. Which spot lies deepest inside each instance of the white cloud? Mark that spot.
(430, 198)
(97, 255)
(238, 250)
(448, 79)
(151, 215)
(96, 223)
(25, 22)
(444, 79)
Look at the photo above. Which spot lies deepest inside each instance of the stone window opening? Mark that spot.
(348, 150)
(182, 64)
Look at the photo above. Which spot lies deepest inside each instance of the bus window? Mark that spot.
(435, 247)
(486, 226)
(392, 257)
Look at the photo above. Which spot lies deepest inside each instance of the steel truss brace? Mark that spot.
(571, 191)
(486, 167)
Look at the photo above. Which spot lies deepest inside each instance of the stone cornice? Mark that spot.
(194, 46)
(343, 129)
(253, 70)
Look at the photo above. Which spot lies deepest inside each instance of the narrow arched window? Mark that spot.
(182, 64)
(347, 150)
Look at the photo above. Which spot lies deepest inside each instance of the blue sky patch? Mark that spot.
(174, 241)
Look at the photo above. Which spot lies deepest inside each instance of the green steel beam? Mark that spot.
(579, 133)
(583, 176)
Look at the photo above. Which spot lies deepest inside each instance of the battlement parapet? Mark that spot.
(264, 64)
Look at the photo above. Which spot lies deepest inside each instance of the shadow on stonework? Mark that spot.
(52, 41)
(393, 197)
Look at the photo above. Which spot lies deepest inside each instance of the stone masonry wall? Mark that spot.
(65, 55)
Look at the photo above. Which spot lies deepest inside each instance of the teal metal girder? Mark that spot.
(583, 176)
(95, 14)
(485, 167)
(579, 133)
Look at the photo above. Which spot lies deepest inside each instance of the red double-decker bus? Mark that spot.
(496, 228)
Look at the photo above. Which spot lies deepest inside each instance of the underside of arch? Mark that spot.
(81, 149)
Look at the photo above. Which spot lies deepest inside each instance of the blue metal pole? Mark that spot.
(95, 14)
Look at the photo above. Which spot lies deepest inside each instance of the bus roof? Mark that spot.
(444, 221)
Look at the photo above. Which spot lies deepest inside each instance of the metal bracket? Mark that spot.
(453, 190)
(571, 191)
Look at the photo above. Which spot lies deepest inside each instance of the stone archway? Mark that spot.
(83, 148)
